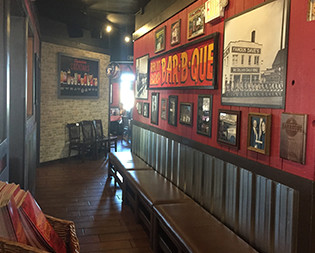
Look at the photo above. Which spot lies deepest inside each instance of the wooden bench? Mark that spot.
(174, 222)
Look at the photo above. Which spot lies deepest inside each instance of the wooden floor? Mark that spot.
(82, 192)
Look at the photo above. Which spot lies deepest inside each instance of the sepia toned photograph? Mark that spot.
(163, 108)
(186, 113)
(229, 128)
(155, 108)
(204, 115)
(172, 110)
(175, 32)
(258, 135)
(146, 110)
(139, 107)
(141, 85)
(293, 137)
(160, 40)
(196, 22)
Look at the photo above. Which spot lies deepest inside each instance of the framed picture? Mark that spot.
(155, 108)
(172, 110)
(229, 128)
(311, 10)
(293, 137)
(160, 39)
(142, 69)
(254, 66)
(196, 22)
(175, 32)
(163, 108)
(146, 110)
(78, 77)
(139, 107)
(186, 113)
(258, 132)
(204, 115)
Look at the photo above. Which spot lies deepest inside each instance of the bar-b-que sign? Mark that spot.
(192, 66)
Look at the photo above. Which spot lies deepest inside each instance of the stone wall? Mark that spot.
(56, 113)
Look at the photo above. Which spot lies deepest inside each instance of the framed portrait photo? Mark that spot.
(146, 110)
(196, 22)
(229, 128)
(186, 114)
(142, 69)
(258, 132)
(175, 33)
(172, 110)
(204, 115)
(293, 137)
(160, 40)
(163, 108)
(155, 108)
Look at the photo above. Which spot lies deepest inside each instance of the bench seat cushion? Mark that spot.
(128, 161)
(198, 230)
(154, 187)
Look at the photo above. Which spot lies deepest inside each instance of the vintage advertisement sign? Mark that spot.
(78, 77)
(193, 66)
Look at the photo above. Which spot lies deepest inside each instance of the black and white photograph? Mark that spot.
(172, 110)
(204, 115)
(186, 113)
(163, 108)
(155, 108)
(175, 32)
(229, 128)
(141, 85)
(258, 135)
(146, 110)
(255, 57)
(139, 107)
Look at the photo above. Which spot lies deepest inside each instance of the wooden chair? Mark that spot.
(110, 142)
(75, 142)
(89, 139)
(101, 140)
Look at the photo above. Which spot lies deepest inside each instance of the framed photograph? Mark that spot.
(293, 137)
(142, 69)
(186, 113)
(175, 33)
(78, 77)
(160, 40)
(254, 66)
(146, 110)
(163, 108)
(172, 110)
(204, 115)
(139, 107)
(196, 22)
(311, 10)
(258, 132)
(155, 108)
(229, 128)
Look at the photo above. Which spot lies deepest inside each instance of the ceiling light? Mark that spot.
(127, 39)
(108, 28)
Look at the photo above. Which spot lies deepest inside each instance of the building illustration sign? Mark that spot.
(192, 66)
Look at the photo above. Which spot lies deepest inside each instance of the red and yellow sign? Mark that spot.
(194, 66)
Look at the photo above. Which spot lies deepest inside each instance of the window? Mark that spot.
(127, 91)
(234, 59)
(242, 59)
(249, 59)
(256, 60)
(246, 78)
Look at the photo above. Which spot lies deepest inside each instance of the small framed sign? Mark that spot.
(163, 108)
(186, 113)
(172, 110)
(146, 110)
(155, 108)
(196, 22)
(204, 115)
(175, 33)
(160, 39)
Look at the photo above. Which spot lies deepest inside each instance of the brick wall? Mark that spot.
(56, 113)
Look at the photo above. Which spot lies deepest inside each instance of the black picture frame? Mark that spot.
(155, 108)
(164, 108)
(254, 67)
(142, 78)
(258, 132)
(145, 110)
(186, 114)
(172, 110)
(229, 128)
(204, 115)
(78, 77)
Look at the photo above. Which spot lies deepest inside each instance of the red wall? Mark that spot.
(299, 97)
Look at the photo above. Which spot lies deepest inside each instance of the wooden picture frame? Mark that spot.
(258, 132)
(293, 137)
(196, 22)
(175, 32)
(164, 108)
(229, 128)
(160, 39)
(204, 115)
(142, 77)
(254, 68)
(172, 110)
(139, 107)
(186, 113)
(155, 108)
(145, 110)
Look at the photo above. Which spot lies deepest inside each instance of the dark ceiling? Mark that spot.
(93, 15)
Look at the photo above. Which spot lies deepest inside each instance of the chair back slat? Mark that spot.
(74, 132)
(88, 131)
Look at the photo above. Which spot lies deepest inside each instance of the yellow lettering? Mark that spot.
(194, 65)
(175, 69)
(210, 62)
(163, 63)
(184, 68)
(203, 63)
(169, 70)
